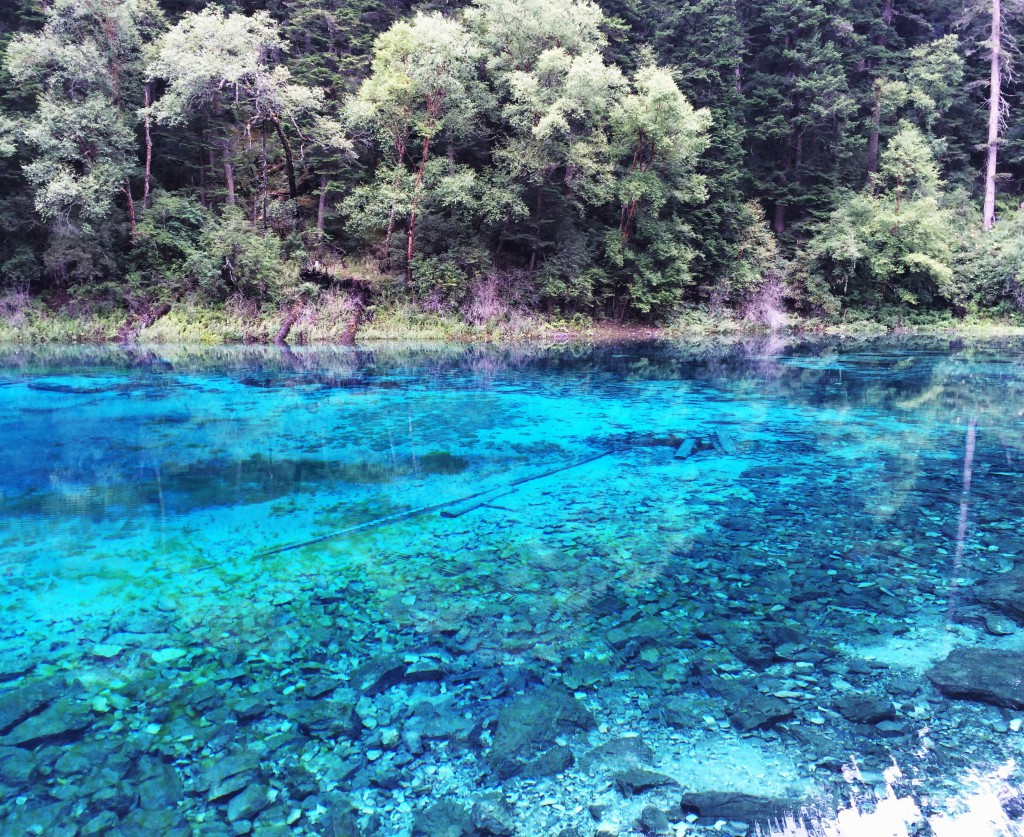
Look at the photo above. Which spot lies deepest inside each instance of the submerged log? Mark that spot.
(459, 509)
(725, 441)
(446, 504)
(685, 449)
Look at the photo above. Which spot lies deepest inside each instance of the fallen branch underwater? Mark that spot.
(410, 513)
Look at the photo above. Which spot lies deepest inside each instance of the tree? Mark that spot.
(907, 168)
(219, 66)
(988, 20)
(798, 102)
(424, 86)
(85, 65)
(705, 41)
(661, 135)
(995, 106)
(514, 34)
(892, 246)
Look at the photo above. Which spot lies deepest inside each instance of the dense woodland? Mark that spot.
(628, 159)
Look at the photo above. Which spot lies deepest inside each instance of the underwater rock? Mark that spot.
(75, 759)
(642, 633)
(755, 656)
(795, 652)
(1003, 592)
(65, 719)
(18, 704)
(378, 675)
(16, 766)
(47, 818)
(442, 819)
(100, 824)
(892, 729)
(552, 761)
(340, 819)
(737, 806)
(619, 753)
(324, 719)
(229, 775)
(491, 818)
(865, 709)
(637, 780)
(248, 803)
(999, 625)
(653, 822)
(587, 673)
(747, 708)
(250, 707)
(450, 727)
(160, 788)
(112, 794)
(530, 725)
(685, 449)
(167, 655)
(12, 668)
(982, 674)
(424, 671)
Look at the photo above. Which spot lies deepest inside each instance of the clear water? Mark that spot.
(175, 661)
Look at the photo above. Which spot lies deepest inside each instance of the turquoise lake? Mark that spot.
(772, 587)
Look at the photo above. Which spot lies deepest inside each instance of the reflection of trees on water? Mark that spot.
(933, 387)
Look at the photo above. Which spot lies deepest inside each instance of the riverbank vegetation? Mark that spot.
(174, 169)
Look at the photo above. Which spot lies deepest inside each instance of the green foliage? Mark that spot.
(758, 256)
(249, 260)
(893, 246)
(84, 66)
(872, 250)
(183, 248)
(907, 168)
(991, 266)
(422, 85)
(616, 157)
(211, 58)
(169, 256)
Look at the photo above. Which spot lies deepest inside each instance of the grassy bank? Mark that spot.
(327, 322)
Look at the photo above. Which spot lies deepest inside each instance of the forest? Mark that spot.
(622, 160)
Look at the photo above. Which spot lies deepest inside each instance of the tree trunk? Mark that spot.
(798, 156)
(876, 110)
(265, 184)
(994, 103)
(229, 172)
(536, 237)
(876, 124)
(127, 189)
(412, 212)
(282, 333)
(779, 222)
(321, 210)
(148, 93)
(202, 169)
(289, 165)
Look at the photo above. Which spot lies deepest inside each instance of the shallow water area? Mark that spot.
(694, 589)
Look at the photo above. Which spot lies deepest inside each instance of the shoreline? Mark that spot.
(190, 324)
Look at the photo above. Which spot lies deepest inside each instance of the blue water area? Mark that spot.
(771, 587)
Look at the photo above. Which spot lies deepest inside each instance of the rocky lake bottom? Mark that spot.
(724, 589)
